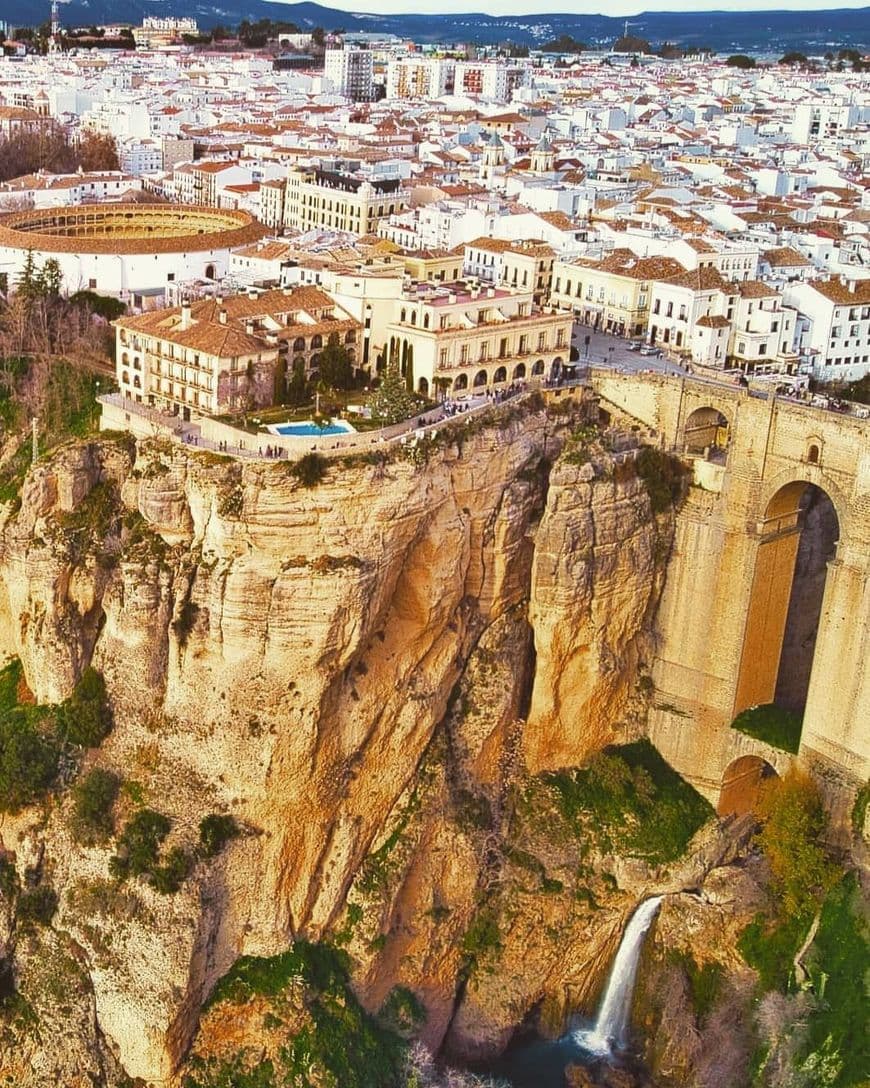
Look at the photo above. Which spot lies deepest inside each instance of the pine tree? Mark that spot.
(28, 285)
(392, 402)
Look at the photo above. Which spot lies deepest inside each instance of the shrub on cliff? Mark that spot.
(664, 477)
(308, 470)
(28, 749)
(93, 799)
(215, 831)
(139, 844)
(85, 717)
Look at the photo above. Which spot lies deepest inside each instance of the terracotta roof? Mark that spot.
(714, 321)
(785, 257)
(756, 289)
(840, 293)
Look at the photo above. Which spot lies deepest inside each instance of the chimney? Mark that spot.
(185, 314)
(451, 297)
(253, 293)
(853, 284)
(222, 315)
(249, 327)
(490, 292)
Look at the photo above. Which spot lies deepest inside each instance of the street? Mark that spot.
(613, 351)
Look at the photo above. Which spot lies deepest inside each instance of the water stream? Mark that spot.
(541, 1064)
(610, 1030)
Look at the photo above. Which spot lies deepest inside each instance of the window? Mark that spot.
(670, 312)
(657, 306)
(762, 349)
(741, 347)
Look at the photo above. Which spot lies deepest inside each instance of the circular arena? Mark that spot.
(131, 251)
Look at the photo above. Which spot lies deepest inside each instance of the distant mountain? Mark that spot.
(725, 31)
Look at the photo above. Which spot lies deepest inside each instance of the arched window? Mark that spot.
(316, 342)
(813, 454)
(299, 343)
(350, 337)
(315, 361)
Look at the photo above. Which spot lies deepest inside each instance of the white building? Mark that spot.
(420, 77)
(495, 80)
(351, 72)
(837, 337)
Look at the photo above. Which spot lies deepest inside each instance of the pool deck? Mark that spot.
(121, 414)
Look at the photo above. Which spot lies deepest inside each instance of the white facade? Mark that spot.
(836, 340)
(351, 72)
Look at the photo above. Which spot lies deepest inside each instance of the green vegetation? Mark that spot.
(740, 60)
(564, 44)
(705, 981)
(215, 831)
(392, 402)
(839, 969)
(628, 799)
(36, 906)
(664, 477)
(139, 853)
(338, 1045)
(29, 751)
(85, 717)
(309, 470)
(772, 724)
(482, 939)
(859, 809)
(402, 1012)
(93, 799)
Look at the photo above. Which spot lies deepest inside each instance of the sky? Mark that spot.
(577, 7)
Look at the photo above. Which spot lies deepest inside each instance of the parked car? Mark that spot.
(634, 345)
(650, 349)
(862, 411)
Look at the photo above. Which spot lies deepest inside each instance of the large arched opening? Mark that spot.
(799, 535)
(705, 432)
(742, 783)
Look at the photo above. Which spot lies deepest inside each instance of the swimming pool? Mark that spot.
(309, 429)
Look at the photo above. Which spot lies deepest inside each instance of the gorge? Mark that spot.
(417, 695)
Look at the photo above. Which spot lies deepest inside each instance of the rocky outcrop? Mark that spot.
(287, 655)
(597, 575)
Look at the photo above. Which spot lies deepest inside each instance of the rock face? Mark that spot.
(596, 580)
(287, 655)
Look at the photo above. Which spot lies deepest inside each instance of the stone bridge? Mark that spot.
(767, 595)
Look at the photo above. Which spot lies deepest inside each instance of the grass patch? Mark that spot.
(215, 831)
(628, 799)
(772, 724)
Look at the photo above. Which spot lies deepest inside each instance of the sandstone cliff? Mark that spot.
(287, 655)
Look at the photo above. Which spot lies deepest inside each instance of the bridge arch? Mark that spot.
(797, 537)
(706, 428)
(742, 783)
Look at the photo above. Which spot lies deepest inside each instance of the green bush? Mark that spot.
(309, 470)
(93, 799)
(85, 716)
(215, 831)
(859, 809)
(28, 749)
(36, 906)
(772, 724)
(402, 1011)
(168, 877)
(663, 475)
(482, 938)
(628, 799)
(139, 844)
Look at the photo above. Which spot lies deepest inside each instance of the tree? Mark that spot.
(97, 151)
(740, 60)
(628, 43)
(336, 369)
(791, 839)
(391, 402)
(27, 287)
(49, 279)
(297, 386)
(795, 60)
(564, 44)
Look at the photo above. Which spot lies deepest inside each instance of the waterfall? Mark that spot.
(611, 1025)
